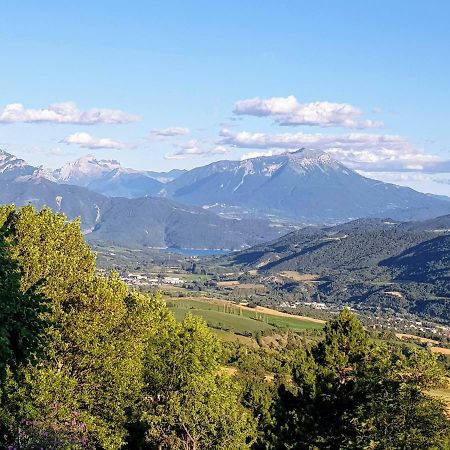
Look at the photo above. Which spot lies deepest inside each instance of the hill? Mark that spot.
(159, 222)
(369, 264)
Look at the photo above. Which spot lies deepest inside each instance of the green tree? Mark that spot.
(189, 405)
(204, 414)
(350, 393)
(21, 325)
(96, 333)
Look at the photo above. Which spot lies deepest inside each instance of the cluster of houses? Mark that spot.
(415, 326)
(137, 279)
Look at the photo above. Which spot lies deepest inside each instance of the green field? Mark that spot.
(225, 321)
(235, 319)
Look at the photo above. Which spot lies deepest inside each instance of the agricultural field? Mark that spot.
(238, 319)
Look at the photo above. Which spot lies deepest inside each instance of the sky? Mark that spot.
(180, 84)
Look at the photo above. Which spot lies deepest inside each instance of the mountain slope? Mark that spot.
(369, 264)
(427, 262)
(156, 222)
(348, 247)
(74, 201)
(159, 222)
(306, 186)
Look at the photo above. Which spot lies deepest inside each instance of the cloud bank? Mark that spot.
(168, 132)
(195, 147)
(363, 151)
(289, 111)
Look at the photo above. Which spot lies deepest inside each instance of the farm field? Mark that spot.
(238, 319)
(224, 321)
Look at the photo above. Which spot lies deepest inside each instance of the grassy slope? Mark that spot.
(236, 319)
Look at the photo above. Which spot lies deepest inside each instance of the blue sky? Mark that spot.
(159, 85)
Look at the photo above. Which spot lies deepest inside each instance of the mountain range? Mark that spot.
(226, 204)
(306, 186)
(145, 221)
(107, 176)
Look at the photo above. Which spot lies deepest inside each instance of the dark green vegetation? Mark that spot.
(87, 363)
(370, 264)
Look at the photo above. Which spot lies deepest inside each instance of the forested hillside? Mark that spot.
(87, 363)
(360, 263)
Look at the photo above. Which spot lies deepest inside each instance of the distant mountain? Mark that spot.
(305, 186)
(12, 167)
(84, 170)
(108, 177)
(166, 177)
(155, 222)
(121, 182)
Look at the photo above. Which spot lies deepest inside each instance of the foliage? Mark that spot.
(96, 332)
(351, 393)
(87, 363)
(106, 351)
(189, 405)
(21, 324)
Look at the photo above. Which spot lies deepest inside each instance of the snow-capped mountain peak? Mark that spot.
(12, 167)
(84, 170)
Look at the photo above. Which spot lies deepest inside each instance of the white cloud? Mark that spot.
(289, 111)
(268, 107)
(159, 133)
(67, 113)
(251, 155)
(85, 140)
(357, 150)
(194, 148)
(436, 183)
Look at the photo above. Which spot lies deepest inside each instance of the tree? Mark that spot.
(204, 414)
(189, 406)
(350, 393)
(21, 323)
(96, 333)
